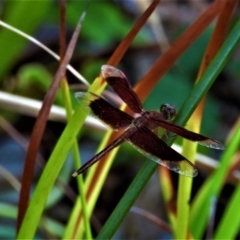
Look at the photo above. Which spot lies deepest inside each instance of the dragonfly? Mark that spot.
(139, 130)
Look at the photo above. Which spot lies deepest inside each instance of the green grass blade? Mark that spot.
(71, 231)
(77, 161)
(211, 188)
(230, 222)
(184, 190)
(49, 176)
(187, 109)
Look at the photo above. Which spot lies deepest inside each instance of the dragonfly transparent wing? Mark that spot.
(155, 149)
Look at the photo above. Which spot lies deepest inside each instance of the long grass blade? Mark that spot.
(189, 148)
(201, 205)
(225, 230)
(37, 135)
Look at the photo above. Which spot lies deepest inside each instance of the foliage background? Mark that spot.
(26, 70)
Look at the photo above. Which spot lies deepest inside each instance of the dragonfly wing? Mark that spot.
(192, 136)
(99, 108)
(119, 83)
(154, 148)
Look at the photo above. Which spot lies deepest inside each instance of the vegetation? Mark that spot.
(39, 197)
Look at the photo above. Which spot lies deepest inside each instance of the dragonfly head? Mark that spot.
(168, 111)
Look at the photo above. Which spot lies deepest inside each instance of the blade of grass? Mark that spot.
(77, 161)
(69, 110)
(201, 205)
(39, 129)
(169, 193)
(189, 148)
(164, 64)
(186, 110)
(70, 226)
(49, 175)
(184, 190)
(225, 230)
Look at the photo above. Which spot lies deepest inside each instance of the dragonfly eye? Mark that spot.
(168, 111)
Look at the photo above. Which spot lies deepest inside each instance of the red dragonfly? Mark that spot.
(138, 130)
